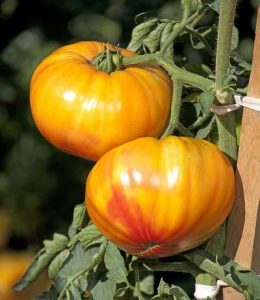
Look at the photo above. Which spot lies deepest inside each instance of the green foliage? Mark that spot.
(242, 279)
(96, 268)
(166, 292)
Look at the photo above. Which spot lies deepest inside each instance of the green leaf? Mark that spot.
(83, 284)
(214, 5)
(234, 38)
(57, 263)
(40, 262)
(147, 282)
(206, 279)
(75, 292)
(206, 100)
(216, 244)
(79, 262)
(240, 65)
(104, 289)
(58, 243)
(78, 216)
(202, 133)
(89, 235)
(173, 292)
(152, 41)
(167, 30)
(140, 32)
(179, 293)
(163, 288)
(115, 264)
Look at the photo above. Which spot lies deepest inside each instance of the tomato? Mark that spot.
(86, 112)
(156, 198)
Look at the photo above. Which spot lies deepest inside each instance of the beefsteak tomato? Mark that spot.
(156, 198)
(86, 112)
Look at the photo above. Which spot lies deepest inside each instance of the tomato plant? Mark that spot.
(157, 198)
(86, 111)
(151, 197)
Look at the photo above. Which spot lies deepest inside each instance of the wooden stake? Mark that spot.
(243, 238)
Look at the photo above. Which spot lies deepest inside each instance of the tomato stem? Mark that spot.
(226, 124)
(184, 130)
(201, 120)
(185, 77)
(108, 60)
(175, 108)
(179, 77)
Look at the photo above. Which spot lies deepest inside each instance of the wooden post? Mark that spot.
(243, 238)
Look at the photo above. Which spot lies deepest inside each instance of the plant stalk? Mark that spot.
(226, 124)
(225, 28)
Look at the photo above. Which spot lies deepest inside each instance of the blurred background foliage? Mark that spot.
(38, 184)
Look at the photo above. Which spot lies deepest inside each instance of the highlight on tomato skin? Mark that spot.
(156, 198)
(85, 112)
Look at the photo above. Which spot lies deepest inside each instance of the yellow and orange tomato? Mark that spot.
(86, 112)
(156, 198)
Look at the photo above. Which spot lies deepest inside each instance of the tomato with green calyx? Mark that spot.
(86, 111)
(156, 198)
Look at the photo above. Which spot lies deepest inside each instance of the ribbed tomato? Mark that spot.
(156, 198)
(86, 112)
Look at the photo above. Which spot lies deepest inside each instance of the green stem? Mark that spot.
(202, 39)
(226, 124)
(179, 74)
(182, 267)
(137, 281)
(178, 30)
(200, 121)
(184, 131)
(175, 108)
(225, 28)
(199, 17)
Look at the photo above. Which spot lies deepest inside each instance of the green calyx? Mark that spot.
(108, 60)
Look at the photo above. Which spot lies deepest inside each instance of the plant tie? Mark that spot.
(203, 291)
(240, 101)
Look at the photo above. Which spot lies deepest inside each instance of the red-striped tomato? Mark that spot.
(156, 198)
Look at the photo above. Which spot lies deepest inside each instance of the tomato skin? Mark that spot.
(86, 112)
(156, 198)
